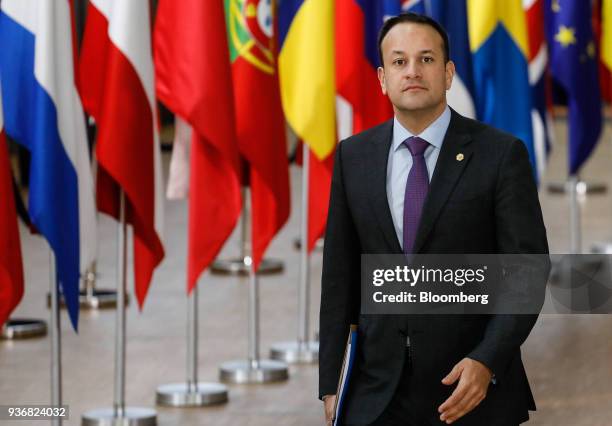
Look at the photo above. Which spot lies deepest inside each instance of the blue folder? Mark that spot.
(345, 374)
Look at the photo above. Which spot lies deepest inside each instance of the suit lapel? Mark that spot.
(377, 181)
(454, 156)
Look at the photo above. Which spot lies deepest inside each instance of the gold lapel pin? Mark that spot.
(459, 157)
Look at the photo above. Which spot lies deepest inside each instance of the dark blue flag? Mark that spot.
(573, 60)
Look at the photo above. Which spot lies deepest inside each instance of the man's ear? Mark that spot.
(381, 79)
(450, 73)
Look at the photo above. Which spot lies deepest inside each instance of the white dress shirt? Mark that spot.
(400, 163)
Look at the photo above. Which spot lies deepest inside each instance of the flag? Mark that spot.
(452, 15)
(539, 79)
(500, 47)
(117, 88)
(194, 81)
(11, 267)
(606, 44)
(43, 113)
(307, 81)
(178, 177)
(573, 60)
(260, 123)
(360, 101)
(602, 25)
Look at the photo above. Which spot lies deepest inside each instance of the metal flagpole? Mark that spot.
(191, 393)
(253, 369)
(562, 269)
(241, 265)
(91, 297)
(119, 395)
(56, 343)
(560, 272)
(119, 414)
(575, 224)
(302, 350)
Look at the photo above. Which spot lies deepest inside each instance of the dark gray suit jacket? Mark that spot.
(486, 203)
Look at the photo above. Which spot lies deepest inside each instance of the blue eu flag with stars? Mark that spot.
(573, 61)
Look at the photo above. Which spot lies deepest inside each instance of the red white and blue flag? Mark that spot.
(43, 112)
(539, 79)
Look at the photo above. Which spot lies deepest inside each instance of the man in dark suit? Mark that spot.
(430, 182)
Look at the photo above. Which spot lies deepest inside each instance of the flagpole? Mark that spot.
(191, 393)
(56, 343)
(119, 413)
(562, 269)
(241, 264)
(575, 222)
(119, 394)
(253, 369)
(302, 350)
(91, 297)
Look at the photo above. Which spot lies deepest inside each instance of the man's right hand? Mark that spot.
(329, 402)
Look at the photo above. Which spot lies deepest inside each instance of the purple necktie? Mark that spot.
(417, 186)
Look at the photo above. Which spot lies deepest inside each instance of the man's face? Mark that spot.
(415, 75)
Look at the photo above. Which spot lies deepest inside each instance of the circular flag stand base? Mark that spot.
(249, 372)
(582, 188)
(133, 416)
(23, 328)
(180, 395)
(602, 248)
(296, 352)
(96, 299)
(297, 243)
(239, 266)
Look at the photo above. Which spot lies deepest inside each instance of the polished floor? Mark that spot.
(568, 358)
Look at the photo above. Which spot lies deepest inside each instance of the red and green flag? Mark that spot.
(260, 123)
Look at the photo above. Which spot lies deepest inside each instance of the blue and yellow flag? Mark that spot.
(574, 63)
(306, 71)
(499, 44)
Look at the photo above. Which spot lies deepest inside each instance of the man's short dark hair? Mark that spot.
(414, 18)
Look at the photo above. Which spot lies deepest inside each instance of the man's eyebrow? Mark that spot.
(422, 52)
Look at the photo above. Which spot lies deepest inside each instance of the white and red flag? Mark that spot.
(118, 90)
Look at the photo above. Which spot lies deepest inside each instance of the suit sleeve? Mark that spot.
(340, 283)
(520, 230)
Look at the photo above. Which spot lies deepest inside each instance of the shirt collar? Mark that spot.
(434, 134)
